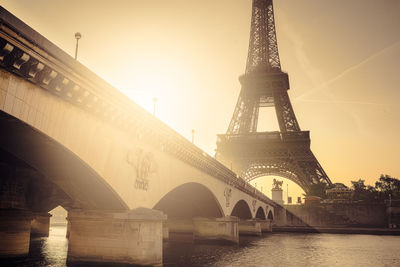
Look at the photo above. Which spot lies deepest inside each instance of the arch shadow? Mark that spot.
(242, 210)
(190, 200)
(260, 214)
(270, 215)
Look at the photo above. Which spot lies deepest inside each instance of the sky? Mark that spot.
(342, 57)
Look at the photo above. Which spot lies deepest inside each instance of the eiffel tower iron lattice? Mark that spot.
(252, 154)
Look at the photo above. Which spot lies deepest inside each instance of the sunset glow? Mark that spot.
(157, 133)
(189, 54)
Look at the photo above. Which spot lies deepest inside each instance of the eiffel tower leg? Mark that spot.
(312, 170)
(284, 112)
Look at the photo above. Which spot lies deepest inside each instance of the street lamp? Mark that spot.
(77, 37)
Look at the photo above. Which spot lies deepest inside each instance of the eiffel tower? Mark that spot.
(253, 154)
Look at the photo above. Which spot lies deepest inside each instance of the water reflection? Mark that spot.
(291, 250)
(43, 251)
(279, 249)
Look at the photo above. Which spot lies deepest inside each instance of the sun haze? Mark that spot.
(343, 69)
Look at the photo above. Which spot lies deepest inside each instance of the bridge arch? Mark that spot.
(242, 210)
(270, 215)
(190, 200)
(260, 214)
(57, 165)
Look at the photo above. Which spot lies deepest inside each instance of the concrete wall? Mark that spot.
(133, 237)
(393, 214)
(337, 214)
(361, 214)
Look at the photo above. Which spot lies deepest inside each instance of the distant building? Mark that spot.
(339, 193)
(310, 200)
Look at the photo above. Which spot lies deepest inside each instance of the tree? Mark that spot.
(388, 185)
(318, 189)
(363, 192)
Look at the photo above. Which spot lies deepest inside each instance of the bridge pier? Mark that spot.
(68, 229)
(200, 229)
(15, 229)
(223, 229)
(280, 218)
(40, 224)
(133, 237)
(15, 218)
(179, 230)
(165, 232)
(250, 227)
(266, 225)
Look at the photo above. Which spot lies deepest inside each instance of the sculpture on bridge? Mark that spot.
(277, 184)
(227, 194)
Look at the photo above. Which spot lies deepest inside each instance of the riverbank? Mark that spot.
(333, 230)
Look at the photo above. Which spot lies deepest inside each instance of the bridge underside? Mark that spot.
(189, 201)
(242, 210)
(51, 165)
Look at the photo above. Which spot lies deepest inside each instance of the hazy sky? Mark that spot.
(342, 56)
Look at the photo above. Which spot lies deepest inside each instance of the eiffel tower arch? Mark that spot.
(253, 154)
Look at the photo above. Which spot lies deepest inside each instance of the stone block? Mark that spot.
(40, 224)
(9, 103)
(15, 228)
(4, 80)
(68, 229)
(223, 229)
(165, 232)
(3, 95)
(250, 227)
(133, 237)
(266, 225)
(180, 230)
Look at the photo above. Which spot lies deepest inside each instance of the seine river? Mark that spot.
(279, 249)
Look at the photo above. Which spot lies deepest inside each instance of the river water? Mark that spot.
(278, 249)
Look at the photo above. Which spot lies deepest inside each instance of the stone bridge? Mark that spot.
(127, 180)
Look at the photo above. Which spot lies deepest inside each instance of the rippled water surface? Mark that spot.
(280, 249)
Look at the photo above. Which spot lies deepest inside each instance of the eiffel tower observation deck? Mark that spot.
(253, 154)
